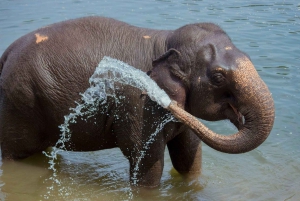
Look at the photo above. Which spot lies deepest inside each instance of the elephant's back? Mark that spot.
(49, 67)
(52, 65)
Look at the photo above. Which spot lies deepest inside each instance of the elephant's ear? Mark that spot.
(168, 75)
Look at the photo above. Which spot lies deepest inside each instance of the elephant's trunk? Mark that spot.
(254, 103)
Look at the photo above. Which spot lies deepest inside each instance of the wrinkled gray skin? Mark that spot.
(43, 73)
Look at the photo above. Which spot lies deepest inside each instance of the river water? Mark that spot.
(269, 31)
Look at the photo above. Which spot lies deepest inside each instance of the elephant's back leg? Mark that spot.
(21, 133)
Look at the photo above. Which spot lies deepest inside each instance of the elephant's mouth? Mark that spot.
(236, 117)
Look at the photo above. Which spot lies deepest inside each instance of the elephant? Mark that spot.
(197, 65)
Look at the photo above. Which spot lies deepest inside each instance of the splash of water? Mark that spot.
(168, 118)
(108, 72)
(117, 71)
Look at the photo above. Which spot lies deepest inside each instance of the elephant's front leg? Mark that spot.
(133, 130)
(147, 166)
(186, 153)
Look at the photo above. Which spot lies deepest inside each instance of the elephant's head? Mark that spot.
(211, 79)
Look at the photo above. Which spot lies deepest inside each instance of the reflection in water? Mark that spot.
(100, 178)
(24, 180)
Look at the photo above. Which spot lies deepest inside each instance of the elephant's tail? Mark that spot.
(1, 64)
(1, 67)
(3, 59)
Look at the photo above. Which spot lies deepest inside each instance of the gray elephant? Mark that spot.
(44, 72)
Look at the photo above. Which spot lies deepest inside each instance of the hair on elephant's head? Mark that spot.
(211, 79)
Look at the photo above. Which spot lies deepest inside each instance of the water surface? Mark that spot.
(268, 31)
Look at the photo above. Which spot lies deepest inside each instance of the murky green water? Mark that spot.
(269, 31)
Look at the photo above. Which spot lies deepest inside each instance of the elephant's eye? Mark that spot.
(218, 79)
